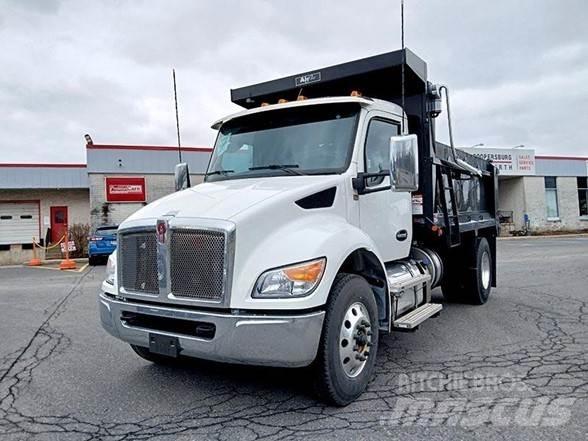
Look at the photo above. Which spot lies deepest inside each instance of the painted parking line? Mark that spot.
(82, 268)
(77, 270)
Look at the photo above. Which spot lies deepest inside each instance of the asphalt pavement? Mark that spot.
(515, 368)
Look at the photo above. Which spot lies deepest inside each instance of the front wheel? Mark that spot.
(349, 341)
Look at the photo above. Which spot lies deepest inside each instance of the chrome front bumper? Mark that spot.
(268, 340)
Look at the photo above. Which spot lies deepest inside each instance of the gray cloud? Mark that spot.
(517, 70)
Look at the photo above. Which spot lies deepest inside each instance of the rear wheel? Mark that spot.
(93, 260)
(349, 341)
(469, 275)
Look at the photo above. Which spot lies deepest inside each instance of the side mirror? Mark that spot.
(404, 163)
(182, 176)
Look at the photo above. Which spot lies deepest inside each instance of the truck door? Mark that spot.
(385, 215)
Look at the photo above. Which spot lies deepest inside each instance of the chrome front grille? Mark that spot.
(197, 264)
(139, 263)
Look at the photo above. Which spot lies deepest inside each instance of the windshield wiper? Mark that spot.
(288, 168)
(219, 172)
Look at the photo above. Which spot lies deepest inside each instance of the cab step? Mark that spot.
(416, 317)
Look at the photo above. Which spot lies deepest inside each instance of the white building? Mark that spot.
(39, 201)
(540, 193)
(123, 178)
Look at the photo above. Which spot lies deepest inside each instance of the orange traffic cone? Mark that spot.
(35, 261)
(67, 263)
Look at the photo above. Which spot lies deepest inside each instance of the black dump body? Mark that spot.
(456, 201)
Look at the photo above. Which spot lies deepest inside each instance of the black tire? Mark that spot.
(92, 260)
(469, 277)
(332, 383)
(145, 354)
(480, 280)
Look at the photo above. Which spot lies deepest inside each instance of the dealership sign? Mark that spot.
(509, 162)
(125, 189)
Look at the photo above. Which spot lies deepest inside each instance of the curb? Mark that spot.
(79, 260)
(44, 262)
(547, 236)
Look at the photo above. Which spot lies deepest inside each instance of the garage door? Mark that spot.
(19, 222)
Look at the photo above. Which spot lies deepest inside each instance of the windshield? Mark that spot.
(106, 231)
(304, 140)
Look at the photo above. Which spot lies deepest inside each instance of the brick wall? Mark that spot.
(108, 213)
(76, 201)
(567, 197)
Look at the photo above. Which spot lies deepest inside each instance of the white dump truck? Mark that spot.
(327, 215)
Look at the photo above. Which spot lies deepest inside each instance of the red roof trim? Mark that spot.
(146, 147)
(581, 158)
(24, 165)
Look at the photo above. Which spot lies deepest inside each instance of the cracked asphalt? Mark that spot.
(515, 368)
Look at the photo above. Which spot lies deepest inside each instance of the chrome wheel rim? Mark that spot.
(355, 339)
(485, 264)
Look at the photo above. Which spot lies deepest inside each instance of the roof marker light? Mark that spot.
(301, 98)
(282, 101)
(264, 104)
(356, 93)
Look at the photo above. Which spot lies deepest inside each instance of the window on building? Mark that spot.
(551, 197)
(583, 195)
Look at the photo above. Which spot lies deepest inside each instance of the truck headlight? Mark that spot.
(111, 268)
(296, 280)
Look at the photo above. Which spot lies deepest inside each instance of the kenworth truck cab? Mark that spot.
(327, 215)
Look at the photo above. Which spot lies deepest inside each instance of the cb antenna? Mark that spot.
(403, 61)
(177, 116)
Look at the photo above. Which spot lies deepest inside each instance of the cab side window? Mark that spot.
(377, 145)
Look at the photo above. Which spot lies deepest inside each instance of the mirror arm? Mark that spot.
(360, 186)
(376, 190)
(359, 183)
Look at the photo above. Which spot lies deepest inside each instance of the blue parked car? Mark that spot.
(101, 244)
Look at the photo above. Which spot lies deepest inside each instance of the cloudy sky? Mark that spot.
(517, 70)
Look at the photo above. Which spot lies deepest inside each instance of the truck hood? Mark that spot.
(226, 199)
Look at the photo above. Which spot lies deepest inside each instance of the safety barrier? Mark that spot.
(65, 264)
(35, 261)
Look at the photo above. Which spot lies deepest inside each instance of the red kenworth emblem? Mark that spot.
(161, 230)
